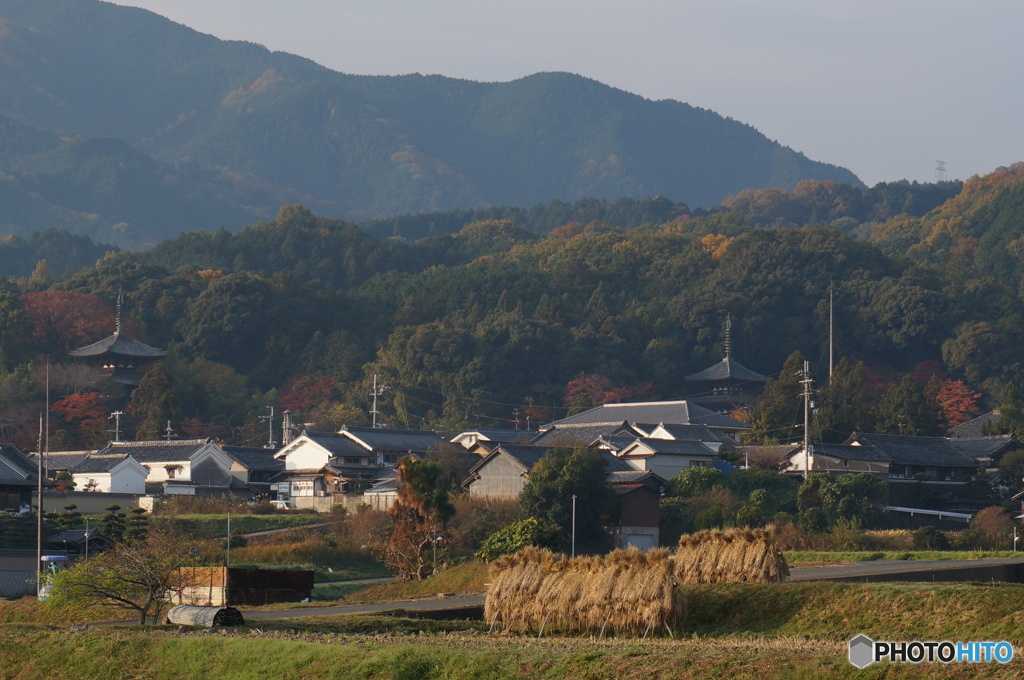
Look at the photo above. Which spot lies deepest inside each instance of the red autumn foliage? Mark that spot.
(957, 403)
(62, 321)
(308, 393)
(588, 389)
(87, 412)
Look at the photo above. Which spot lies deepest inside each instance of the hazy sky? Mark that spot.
(883, 87)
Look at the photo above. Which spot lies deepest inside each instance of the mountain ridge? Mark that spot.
(360, 147)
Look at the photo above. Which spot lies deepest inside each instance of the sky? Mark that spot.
(885, 88)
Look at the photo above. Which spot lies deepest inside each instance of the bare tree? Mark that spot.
(141, 576)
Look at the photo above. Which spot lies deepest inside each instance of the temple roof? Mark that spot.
(118, 344)
(727, 368)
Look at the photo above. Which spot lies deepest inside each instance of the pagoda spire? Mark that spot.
(728, 335)
(120, 301)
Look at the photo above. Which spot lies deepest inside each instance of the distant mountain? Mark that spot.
(232, 131)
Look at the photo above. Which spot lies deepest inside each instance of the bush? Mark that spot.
(929, 538)
(516, 536)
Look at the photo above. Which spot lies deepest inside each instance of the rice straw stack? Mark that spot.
(745, 555)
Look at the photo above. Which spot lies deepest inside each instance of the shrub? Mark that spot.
(930, 538)
(526, 532)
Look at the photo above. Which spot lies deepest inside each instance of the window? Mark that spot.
(302, 488)
(353, 460)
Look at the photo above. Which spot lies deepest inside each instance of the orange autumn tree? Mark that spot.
(957, 403)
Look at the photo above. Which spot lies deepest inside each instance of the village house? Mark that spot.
(116, 473)
(503, 473)
(183, 466)
(18, 478)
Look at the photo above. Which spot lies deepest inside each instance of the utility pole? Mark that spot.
(377, 392)
(116, 415)
(807, 382)
(831, 353)
(270, 427)
(573, 525)
(39, 512)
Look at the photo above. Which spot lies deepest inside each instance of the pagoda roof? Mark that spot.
(118, 344)
(727, 368)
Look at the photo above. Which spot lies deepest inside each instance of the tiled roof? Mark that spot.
(16, 469)
(121, 344)
(253, 458)
(922, 451)
(680, 412)
(98, 463)
(726, 369)
(974, 427)
(674, 446)
(510, 436)
(337, 445)
(393, 440)
(696, 433)
(984, 447)
(158, 451)
(848, 452)
(62, 460)
(581, 434)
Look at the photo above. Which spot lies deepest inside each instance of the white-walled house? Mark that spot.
(182, 466)
(667, 457)
(119, 473)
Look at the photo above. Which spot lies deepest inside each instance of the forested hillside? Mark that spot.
(468, 328)
(142, 128)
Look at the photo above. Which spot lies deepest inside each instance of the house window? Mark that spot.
(390, 458)
(302, 488)
(698, 463)
(846, 463)
(353, 460)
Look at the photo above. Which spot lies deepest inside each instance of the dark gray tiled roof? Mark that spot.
(510, 436)
(984, 447)
(681, 412)
(696, 433)
(156, 451)
(121, 344)
(582, 434)
(98, 463)
(726, 369)
(394, 440)
(973, 428)
(252, 458)
(849, 452)
(922, 451)
(62, 460)
(16, 468)
(337, 445)
(525, 455)
(674, 446)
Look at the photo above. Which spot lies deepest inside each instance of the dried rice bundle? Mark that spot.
(626, 591)
(746, 555)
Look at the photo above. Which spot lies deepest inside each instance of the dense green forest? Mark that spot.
(476, 326)
(124, 126)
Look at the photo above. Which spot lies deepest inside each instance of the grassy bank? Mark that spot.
(29, 654)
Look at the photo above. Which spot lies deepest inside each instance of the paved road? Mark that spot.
(878, 569)
(336, 610)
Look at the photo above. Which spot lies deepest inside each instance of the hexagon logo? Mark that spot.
(862, 651)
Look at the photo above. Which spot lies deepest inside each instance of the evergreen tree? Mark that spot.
(844, 405)
(548, 497)
(905, 410)
(154, 402)
(778, 413)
